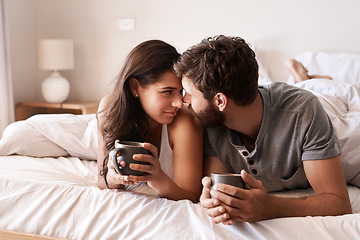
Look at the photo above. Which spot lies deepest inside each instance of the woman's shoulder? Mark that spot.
(183, 120)
(103, 105)
(104, 102)
(184, 131)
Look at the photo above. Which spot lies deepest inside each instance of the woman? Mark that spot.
(146, 106)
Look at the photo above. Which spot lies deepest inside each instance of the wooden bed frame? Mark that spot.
(15, 235)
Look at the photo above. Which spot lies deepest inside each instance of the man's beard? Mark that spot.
(210, 117)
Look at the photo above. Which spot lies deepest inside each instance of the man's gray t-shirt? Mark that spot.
(294, 128)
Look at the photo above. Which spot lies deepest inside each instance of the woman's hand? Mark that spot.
(115, 179)
(154, 173)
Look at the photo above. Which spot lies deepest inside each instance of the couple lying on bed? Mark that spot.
(277, 136)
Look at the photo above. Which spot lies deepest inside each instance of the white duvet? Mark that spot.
(59, 197)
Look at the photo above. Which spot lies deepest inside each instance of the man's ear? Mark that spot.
(220, 101)
(134, 87)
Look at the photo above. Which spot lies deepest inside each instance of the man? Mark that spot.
(277, 136)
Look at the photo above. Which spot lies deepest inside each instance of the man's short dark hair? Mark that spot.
(222, 64)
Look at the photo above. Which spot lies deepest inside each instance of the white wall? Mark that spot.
(22, 30)
(280, 29)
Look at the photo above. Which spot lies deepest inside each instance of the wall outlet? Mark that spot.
(126, 24)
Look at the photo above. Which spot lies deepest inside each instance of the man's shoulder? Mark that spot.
(216, 131)
(285, 89)
(285, 96)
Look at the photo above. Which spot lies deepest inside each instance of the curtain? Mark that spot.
(6, 91)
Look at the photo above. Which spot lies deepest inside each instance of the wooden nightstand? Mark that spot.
(23, 110)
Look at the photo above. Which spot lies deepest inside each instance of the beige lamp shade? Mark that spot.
(55, 54)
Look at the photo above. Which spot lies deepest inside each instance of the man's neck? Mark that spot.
(245, 119)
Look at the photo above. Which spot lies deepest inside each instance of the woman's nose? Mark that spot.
(178, 101)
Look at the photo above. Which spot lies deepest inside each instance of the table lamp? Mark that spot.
(55, 54)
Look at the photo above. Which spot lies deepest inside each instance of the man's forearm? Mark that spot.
(315, 205)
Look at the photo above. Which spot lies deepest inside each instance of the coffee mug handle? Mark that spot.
(114, 153)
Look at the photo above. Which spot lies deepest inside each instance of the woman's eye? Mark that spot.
(167, 92)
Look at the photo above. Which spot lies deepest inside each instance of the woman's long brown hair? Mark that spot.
(125, 118)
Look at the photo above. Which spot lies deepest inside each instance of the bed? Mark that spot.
(48, 184)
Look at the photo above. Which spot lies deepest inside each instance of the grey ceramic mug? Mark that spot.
(233, 179)
(124, 151)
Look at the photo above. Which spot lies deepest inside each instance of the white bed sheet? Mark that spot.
(59, 197)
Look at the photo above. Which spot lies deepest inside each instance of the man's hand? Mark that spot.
(230, 203)
(212, 205)
(214, 210)
(226, 204)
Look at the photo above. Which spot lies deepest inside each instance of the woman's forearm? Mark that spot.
(167, 188)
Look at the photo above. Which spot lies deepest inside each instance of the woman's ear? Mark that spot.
(220, 101)
(134, 87)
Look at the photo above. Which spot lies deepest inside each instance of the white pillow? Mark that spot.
(52, 135)
(264, 77)
(341, 67)
(21, 138)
